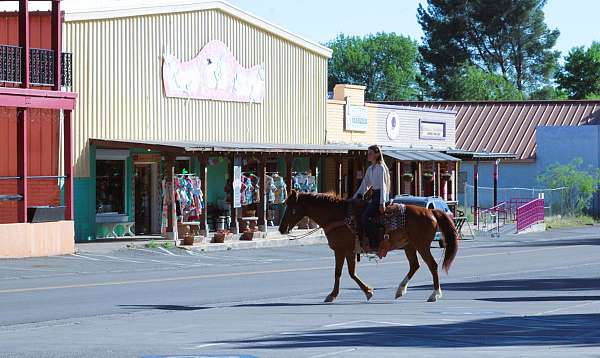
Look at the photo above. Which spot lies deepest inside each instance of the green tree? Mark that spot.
(505, 37)
(580, 75)
(385, 63)
(581, 185)
(548, 93)
(470, 83)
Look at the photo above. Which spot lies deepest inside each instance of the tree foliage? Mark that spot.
(581, 185)
(580, 75)
(385, 63)
(470, 83)
(505, 37)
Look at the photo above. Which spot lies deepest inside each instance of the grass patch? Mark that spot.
(557, 222)
(152, 245)
(168, 245)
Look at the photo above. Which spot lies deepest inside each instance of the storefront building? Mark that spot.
(414, 142)
(199, 89)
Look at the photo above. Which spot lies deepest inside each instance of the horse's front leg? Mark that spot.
(351, 260)
(339, 265)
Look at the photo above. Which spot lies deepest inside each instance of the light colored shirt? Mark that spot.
(375, 178)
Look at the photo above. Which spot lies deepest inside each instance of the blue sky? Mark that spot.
(321, 20)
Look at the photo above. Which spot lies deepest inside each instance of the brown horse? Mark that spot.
(333, 214)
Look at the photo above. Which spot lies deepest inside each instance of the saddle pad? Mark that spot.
(394, 218)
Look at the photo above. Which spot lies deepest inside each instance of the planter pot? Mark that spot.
(219, 238)
(407, 178)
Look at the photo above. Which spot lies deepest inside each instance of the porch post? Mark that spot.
(338, 175)
(204, 186)
(398, 177)
(234, 227)
(496, 181)
(22, 162)
(289, 162)
(24, 41)
(475, 191)
(68, 164)
(56, 43)
(262, 205)
(438, 180)
(419, 180)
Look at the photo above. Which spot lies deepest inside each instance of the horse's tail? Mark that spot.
(450, 235)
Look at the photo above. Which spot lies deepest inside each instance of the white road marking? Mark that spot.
(85, 257)
(206, 345)
(152, 251)
(117, 258)
(166, 251)
(334, 353)
(565, 308)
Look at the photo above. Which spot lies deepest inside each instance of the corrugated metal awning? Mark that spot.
(420, 156)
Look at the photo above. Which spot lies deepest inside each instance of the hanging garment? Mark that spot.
(280, 189)
(270, 182)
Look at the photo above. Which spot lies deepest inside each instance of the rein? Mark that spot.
(302, 236)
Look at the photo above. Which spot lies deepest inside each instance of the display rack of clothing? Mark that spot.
(304, 182)
(189, 197)
(250, 189)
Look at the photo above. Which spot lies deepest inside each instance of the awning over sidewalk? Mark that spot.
(199, 147)
(419, 155)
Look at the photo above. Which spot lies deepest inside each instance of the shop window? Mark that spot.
(110, 186)
(182, 166)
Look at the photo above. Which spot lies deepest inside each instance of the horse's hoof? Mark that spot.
(400, 293)
(329, 299)
(369, 294)
(435, 296)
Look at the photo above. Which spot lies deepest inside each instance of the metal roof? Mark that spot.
(158, 7)
(467, 154)
(419, 155)
(510, 126)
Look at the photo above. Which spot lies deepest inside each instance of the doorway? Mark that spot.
(145, 199)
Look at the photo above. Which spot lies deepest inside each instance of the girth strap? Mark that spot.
(329, 228)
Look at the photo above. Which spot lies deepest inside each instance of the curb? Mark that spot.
(257, 244)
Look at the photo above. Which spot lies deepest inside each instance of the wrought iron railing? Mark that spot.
(41, 66)
(10, 64)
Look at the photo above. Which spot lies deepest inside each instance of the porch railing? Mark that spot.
(41, 66)
(530, 214)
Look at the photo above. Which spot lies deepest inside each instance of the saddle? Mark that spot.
(392, 220)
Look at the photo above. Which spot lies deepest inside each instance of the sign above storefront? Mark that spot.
(392, 125)
(213, 74)
(356, 118)
(432, 130)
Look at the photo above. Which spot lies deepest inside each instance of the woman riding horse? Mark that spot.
(377, 178)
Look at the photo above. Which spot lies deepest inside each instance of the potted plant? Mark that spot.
(407, 176)
(428, 176)
(446, 175)
(219, 236)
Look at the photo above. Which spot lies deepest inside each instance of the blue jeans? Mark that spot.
(371, 211)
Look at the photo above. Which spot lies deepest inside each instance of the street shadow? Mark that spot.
(550, 330)
(164, 307)
(558, 284)
(541, 299)
(548, 243)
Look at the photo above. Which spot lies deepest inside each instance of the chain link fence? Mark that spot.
(557, 201)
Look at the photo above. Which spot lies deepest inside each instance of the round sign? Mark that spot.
(393, 125)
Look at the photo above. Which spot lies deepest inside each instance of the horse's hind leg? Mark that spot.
(339, 265)
(413, 261)
(425, 253)
(351, 260)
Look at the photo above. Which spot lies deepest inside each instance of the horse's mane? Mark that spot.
(320, 198)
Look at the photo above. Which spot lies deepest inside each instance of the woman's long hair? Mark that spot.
(386, 170)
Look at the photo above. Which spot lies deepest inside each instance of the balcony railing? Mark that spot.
(41, 66)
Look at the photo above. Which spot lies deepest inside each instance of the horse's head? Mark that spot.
(294, 212)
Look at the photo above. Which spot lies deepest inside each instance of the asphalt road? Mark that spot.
(534, 295)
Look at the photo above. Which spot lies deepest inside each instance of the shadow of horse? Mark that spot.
(550, 330)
